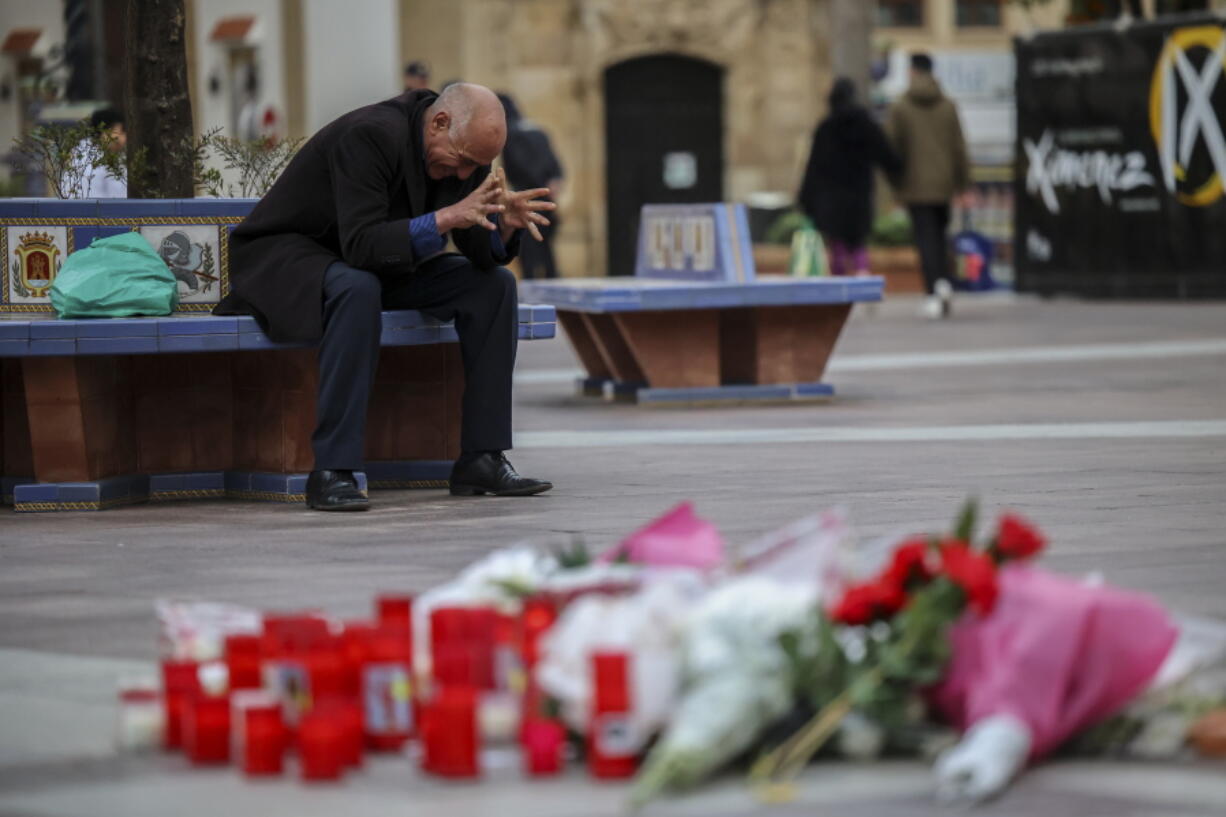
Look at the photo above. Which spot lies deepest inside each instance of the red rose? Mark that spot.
(1018, 539)
(865, 603)
(909, 564)
(974, 572)
(856, 607)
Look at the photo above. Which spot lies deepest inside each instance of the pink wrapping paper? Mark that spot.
(1056, 653)
(679, 538)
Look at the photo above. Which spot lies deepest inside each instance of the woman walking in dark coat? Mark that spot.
(837, 193)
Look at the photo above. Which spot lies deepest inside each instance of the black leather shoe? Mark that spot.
(490, 473)
(334, 491)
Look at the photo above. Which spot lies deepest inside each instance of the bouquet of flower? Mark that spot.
(902, 617)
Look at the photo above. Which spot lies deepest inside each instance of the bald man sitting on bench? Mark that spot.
(357, 223)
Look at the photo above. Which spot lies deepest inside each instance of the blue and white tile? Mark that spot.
(193, 253)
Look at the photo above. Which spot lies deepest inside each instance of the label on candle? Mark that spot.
(509, 670)
(615, 735)
(387, 694)
(291, 683)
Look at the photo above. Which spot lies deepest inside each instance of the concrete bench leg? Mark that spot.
(583, 340)
(16, 458)
(781, 344)
(614, 349)
(80, 417)
(674, 349)
(747, 353)
(89, 433)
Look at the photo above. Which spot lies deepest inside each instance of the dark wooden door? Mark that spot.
(664, 142)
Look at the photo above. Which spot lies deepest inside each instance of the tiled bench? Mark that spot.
(105, 412)
(97, 413)
(658, 341)
(695, 324)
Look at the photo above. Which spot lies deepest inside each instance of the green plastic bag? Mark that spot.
(808, 254)
(116, 277)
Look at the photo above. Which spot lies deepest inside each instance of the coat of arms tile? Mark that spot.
(32, 258)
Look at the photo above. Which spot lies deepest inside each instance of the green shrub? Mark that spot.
(892, 229)
(780, 232)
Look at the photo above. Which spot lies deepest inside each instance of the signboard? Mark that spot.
(1121, 160)
(695, 242)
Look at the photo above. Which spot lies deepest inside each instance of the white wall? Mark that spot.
(352, 56)
(49, 16)
(267, 36)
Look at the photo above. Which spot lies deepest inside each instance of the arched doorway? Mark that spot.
(664, 142)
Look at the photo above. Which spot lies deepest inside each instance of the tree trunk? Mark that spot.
(851, 38)
(159, 110)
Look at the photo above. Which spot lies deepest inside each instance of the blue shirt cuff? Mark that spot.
(423, 234)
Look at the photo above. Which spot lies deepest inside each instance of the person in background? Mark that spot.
(927, 135)
(417, 75)
(530, 163)
(97, 182)
(837, 191)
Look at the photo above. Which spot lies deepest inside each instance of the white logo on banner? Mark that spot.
(1052, 168)
(1177, 136)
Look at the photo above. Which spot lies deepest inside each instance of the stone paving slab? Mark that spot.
(160, 786)
(1147, 511)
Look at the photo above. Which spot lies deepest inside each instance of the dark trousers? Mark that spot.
(483, 305)
(930, 224)
(537, 256)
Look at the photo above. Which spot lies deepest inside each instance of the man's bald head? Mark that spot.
(465, 128)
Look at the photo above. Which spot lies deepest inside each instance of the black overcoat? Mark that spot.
(837, 192)
(347, 195)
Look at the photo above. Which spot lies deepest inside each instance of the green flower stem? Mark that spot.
(786, 760)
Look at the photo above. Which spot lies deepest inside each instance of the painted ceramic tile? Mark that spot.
(193, 255)
(32, 257)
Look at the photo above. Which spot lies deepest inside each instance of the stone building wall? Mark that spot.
(552, 54)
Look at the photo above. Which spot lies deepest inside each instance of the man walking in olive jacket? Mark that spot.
(927, 135)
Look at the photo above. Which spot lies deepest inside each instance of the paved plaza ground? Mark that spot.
(1103, 422)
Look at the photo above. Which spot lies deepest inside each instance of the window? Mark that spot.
(900, 13)
(978, 13)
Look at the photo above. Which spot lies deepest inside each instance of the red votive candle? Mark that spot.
(349, 714)
(206, 730)
(448, 625)
(394, 609)
(612, 751)
(263, 739)
(455, 665)
(355, 650)
(387, 690)
(449, 734)
(485, 639)
(321, 749)
(326, 672)
(179, 684)
(538, 616)
(543, 741)
(243, 661)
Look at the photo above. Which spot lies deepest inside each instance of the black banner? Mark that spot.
(1122, 159)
